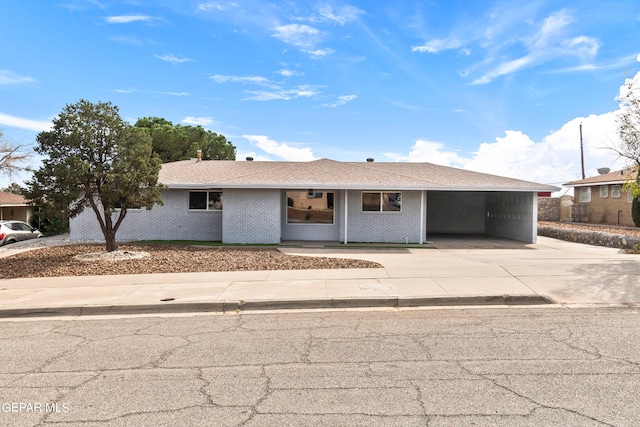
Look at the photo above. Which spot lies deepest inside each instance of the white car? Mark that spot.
(15, 231)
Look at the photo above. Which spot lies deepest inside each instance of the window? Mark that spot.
(205, 200)
(381, 202)
(615, 191)
(585, 195)
(629, 196)
(604, 191)
(309, 207)
(118, 207)
(24, 227)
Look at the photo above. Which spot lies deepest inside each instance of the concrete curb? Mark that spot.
(266, 305)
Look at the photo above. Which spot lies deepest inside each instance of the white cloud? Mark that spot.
(258, 80)
(173, 59)
(8, 77)
(319, 53)
(341, 15)
(511, 42)
(289, 73)
(127, 19)
(504, 69)
(198, 121)
(623, 92)
(210, 6)
(297, 34)
(429, 151)
(131, 40)
(27, 124)
(261, 95)
(583, 46)
(549, 42)
(553, 160)
(132, 90)
(170, 93)
(301, 91)
(437, 46)
(281, 150)
(341, 101)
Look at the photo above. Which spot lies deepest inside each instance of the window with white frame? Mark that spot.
(310, 207)
(615, 191)
(604, 191)
(381, 201)
(205, 200)
(585, 194)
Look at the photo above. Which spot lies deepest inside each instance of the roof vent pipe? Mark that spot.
(370, 159)
(249, 159)
(199, 154)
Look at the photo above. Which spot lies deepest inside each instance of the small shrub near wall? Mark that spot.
(635, 211)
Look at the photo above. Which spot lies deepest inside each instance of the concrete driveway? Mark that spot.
(564, 272)
(461, 271)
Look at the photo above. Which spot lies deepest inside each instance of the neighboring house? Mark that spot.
(326, 200)
(14, 206)
(602, 199)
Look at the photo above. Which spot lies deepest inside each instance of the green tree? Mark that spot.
(179, 142)
(14, 188)
(93, 158)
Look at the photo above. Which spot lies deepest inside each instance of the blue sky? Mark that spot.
(498, 87)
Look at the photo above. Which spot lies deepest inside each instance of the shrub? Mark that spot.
(635, 211)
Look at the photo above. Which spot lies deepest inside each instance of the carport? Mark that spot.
(510, 214)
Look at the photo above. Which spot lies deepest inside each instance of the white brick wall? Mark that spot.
(386, 227)
(513, 215)
(251, 216)
(172, 221)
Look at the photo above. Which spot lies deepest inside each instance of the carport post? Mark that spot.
(534, 219)
(346, 209)
(422, 217)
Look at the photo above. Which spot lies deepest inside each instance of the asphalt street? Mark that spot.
(438, 367)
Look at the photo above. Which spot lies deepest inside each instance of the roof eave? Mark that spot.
(359, 187)
(594, 184)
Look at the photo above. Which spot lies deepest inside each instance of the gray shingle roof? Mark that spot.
(331, 174)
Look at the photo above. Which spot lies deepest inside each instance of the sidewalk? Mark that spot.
(459, 272)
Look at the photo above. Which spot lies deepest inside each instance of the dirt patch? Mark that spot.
(60, 261)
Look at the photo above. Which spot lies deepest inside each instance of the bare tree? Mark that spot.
(629, 120)
(12, 156)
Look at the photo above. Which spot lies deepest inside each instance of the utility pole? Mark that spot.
(581, 152)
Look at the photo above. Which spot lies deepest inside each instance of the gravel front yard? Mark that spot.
(54, 261)
(56, 258)
(626, 231)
